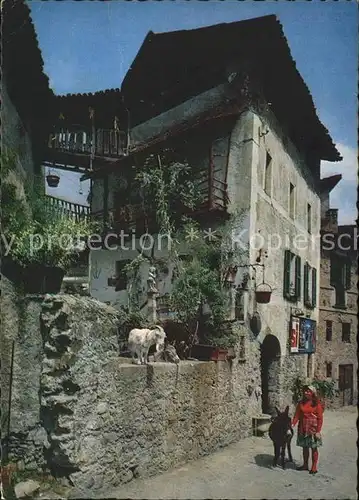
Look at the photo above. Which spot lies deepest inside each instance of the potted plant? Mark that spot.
(263, 293)
(44, 243)
(52, 180)
(46, 252)
(220, 342)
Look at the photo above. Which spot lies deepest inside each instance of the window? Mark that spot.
(310, 286)
(292, 276)
(346, 332)
(329, 369)
(309, 218)
(291, 201)
(340, 279)
(268, 174)
(328, 330)
(121, 276)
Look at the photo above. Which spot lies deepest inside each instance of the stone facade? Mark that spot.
(336, 356)
(267, 224)
(20, 321)
(17, 139)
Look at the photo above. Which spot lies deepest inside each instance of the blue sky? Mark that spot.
(89, 46)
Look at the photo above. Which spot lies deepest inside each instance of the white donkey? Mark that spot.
(141, 339)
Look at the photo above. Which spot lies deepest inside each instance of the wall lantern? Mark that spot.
(231, 275)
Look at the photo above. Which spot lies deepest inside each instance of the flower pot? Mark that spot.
(263, 293)
(263, 297)
(219, 354)
(202, 352)
(53, 279)
(41, 279)
(52, 180)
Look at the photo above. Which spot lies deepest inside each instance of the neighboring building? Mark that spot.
(25, 93)
(230, 98)
(337, 346)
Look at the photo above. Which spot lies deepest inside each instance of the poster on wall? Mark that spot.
(307, 336)
(302, 335)
(294, 334)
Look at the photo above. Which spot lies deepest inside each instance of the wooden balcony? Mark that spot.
(68, 209)
(107, 143)
(133, 216)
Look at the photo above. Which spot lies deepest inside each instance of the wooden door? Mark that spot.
(346, 384)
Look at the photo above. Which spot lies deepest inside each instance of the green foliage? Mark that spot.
(29, 220)
(325, 388)
(167, 186)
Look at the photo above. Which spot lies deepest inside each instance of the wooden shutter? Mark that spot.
(314, 287)
(298, 276)
(286, 277)
(306, 283)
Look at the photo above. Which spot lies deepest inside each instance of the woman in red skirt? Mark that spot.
(309, 413)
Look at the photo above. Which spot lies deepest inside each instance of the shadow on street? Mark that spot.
(265, 460)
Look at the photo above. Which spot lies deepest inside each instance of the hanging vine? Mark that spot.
(167, 185)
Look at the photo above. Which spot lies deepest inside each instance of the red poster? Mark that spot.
(294, 334)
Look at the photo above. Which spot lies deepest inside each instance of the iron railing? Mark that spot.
(68, 209)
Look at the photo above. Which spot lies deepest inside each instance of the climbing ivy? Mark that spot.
(167, 185)
(26, 217)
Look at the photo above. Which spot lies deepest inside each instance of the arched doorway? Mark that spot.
(270, 368)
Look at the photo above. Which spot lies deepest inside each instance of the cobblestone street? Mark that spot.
(243, 470)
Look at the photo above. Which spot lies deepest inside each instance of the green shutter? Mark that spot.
(298, 276)
(286, 277)
(347, 275)
(314, 287)
(306, 283)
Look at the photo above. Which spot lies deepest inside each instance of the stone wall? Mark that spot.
(17, 139)
(86, 414)
(140, 420)
(20, 321)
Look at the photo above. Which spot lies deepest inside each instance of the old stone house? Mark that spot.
(336, 357)
(25, 93)
(231, 99)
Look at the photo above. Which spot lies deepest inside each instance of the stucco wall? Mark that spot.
(267, 216)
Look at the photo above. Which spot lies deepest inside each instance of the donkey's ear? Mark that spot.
(286, 411)
(276, 409)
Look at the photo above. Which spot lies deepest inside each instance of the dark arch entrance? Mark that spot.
(270, 368)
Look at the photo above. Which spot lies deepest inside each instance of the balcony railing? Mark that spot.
(214, 198)
(68, 209)
(111, 143)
